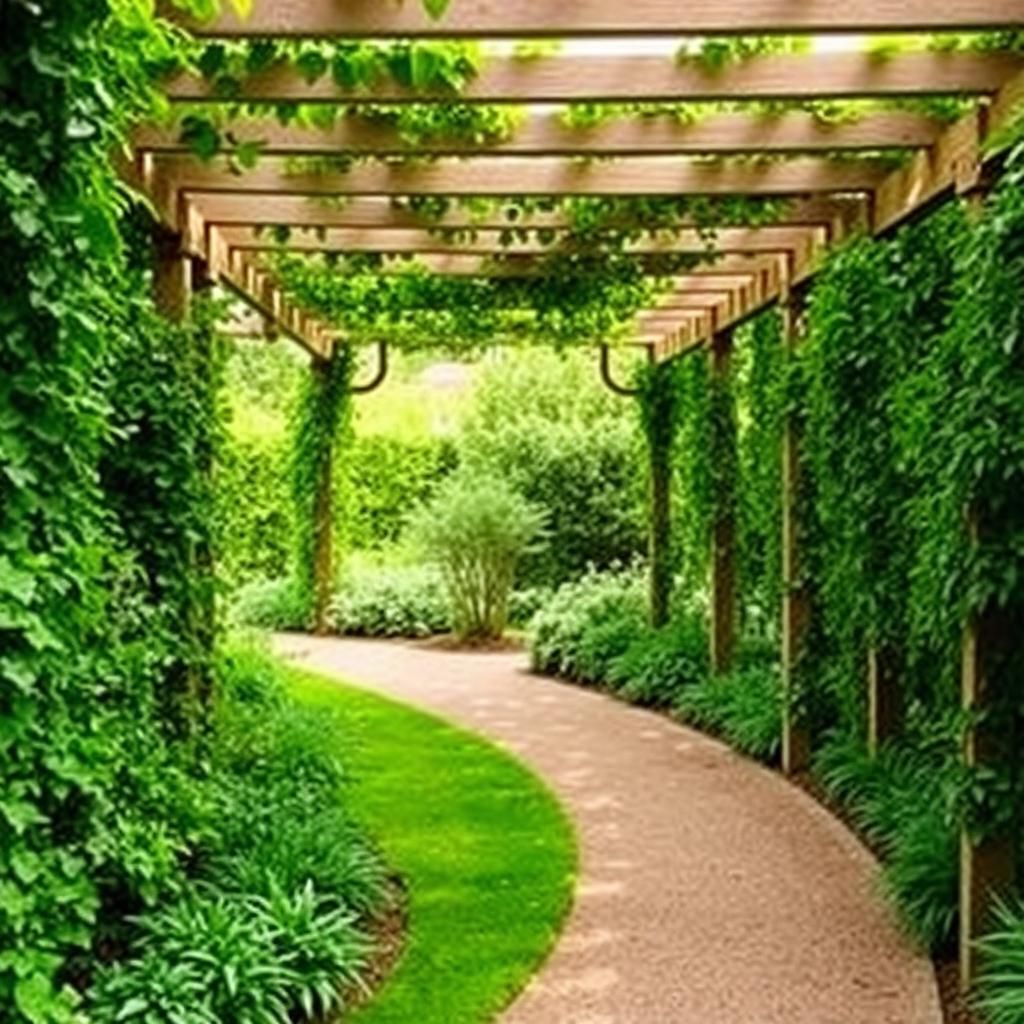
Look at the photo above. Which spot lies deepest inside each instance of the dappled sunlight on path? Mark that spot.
(711, 891)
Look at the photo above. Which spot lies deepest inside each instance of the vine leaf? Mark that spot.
(436, 8)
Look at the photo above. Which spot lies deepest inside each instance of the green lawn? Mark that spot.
(484, 847)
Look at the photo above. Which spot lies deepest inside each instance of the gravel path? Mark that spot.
(711, 891)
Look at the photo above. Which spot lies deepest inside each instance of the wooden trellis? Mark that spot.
(217, 218)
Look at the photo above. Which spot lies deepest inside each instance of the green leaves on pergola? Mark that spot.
(312, 152)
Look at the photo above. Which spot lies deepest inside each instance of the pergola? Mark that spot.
(833, 178)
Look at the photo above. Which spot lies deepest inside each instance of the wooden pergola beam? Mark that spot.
(954, 164)
(524, 18)
(530, 266)
(652, 79)
(404, 240)
(381, 212)
(547, 135)
(244, 279)
(544, 176)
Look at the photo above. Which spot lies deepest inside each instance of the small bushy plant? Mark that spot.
(270, 604)
(475, 530)
(390, 601)
(902, 799)
(659, 665)
(744, 707)
(614, 600)
(1001, 986)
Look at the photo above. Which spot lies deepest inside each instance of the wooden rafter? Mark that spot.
(646, 79)
(380, 212)
(404, 240)
(527, 266)
(547, 135)
(524, 18)
(545, 176)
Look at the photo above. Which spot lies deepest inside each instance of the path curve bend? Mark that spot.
(711, 891)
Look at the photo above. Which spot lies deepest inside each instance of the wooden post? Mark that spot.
(172, 276)
(796, 744)
(987, 863)
(885, 700)
(723, 528)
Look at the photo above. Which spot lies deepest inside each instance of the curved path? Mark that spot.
(711, 891)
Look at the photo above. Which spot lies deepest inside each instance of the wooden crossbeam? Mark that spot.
(547, 135)
(524, 18)
(651, 79)
(404, 240)
(241, 277)
(954, 164)
(528, 266)
(379, 212)
(498, 176)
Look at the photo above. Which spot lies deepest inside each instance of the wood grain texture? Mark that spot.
(523, 18)
(563, 79)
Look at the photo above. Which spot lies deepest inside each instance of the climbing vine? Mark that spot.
(658, 407)
(760, 391)
(93, 635)
(320, 424)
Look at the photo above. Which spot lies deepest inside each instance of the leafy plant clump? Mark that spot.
(1000, 993)
(476, 529)
(269, 925)
(392, 601)
(744, 707)
(660, 665)
(585, 625)
(903, 800)
(276, 604)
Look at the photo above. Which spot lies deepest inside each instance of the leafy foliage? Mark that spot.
(321, 423)
(1001, 988)
(543, 422)
(476, 529)
(271, 928)
(658, 404)
(391, 601)
(744, 706)
(903, 800)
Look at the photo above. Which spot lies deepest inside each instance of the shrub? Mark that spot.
(544, 422)
(231, 960)
(267, 927)
(476, 529)
(658, 665)
(615, 600)
(385, 478)
(901, 799)
(744, 707)
(270, 604)
(1001, 986)
(390, 601)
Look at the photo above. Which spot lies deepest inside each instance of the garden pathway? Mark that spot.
(711, 890)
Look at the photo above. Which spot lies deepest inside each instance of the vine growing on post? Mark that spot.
(91, 808)
(658, 406)
(760, 384)
(320, 424)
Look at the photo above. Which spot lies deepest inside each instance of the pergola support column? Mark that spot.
(723, 527)
(796, 613)
(885, 699)
(172, 275)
